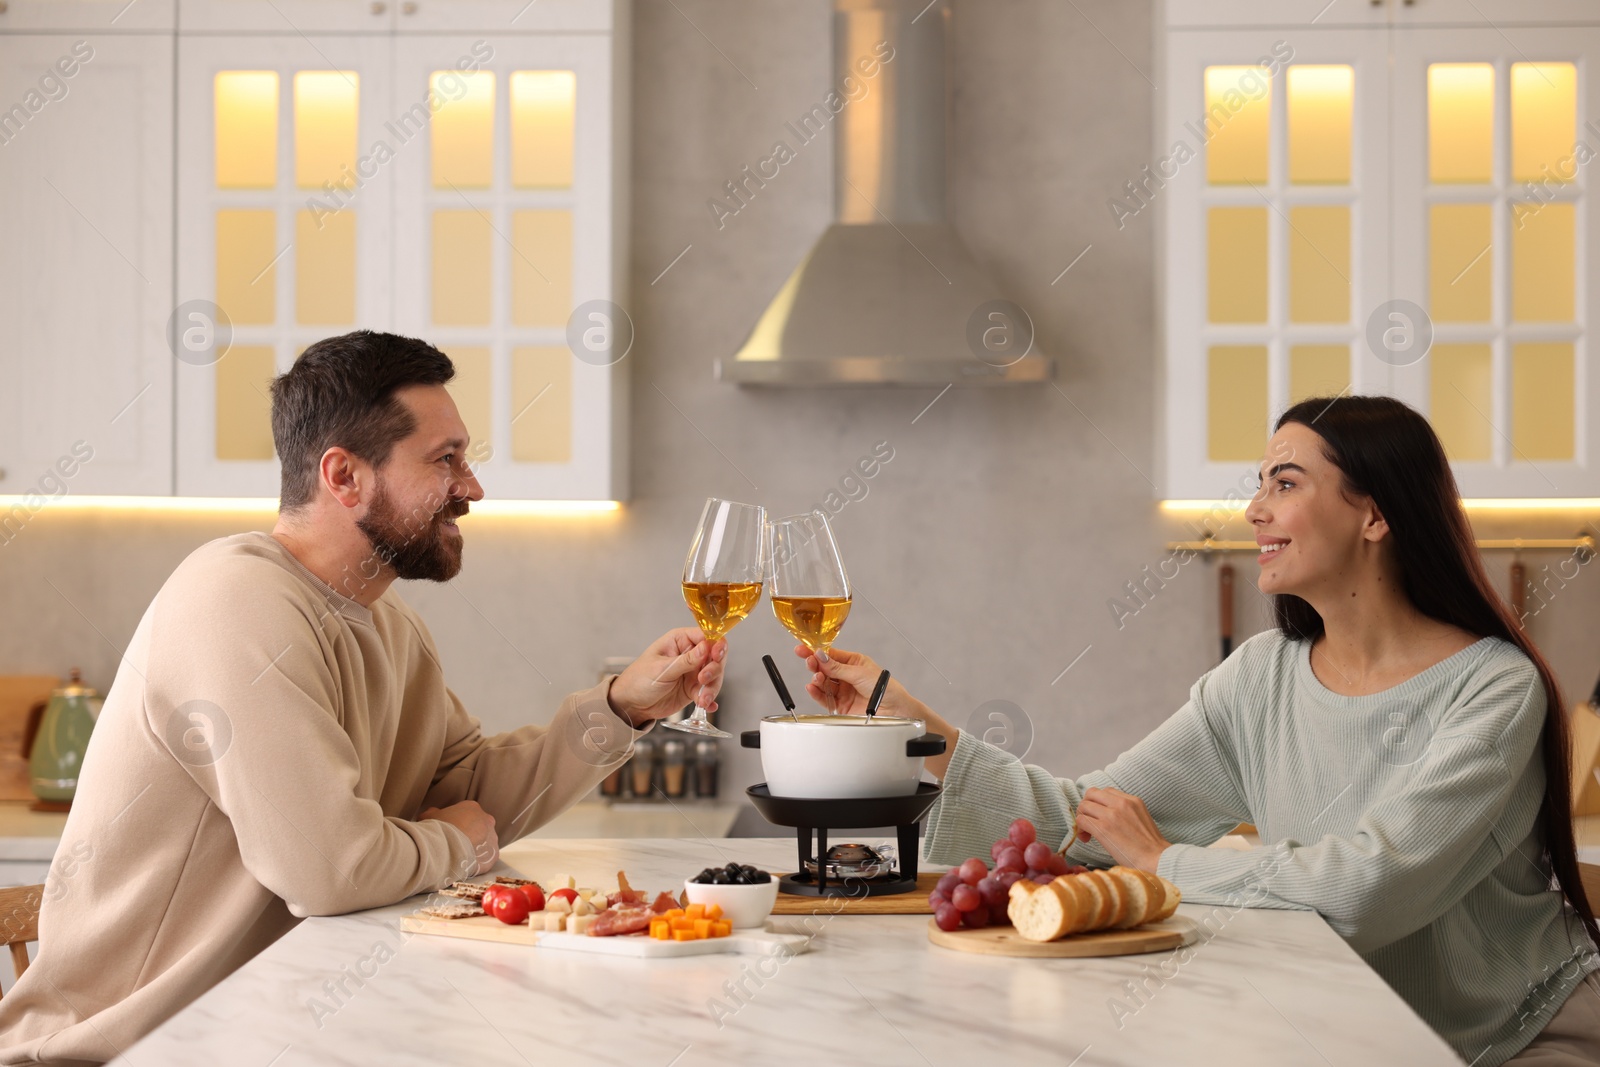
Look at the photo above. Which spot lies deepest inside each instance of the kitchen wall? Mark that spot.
(984, 553)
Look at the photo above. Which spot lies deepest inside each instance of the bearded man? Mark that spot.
(279, 741)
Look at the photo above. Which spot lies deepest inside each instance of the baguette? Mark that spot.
(1038, 913)
(1116, 899)
(1145, 897)
(1099, 900)
(1078, 901)
(1119, 898)
(1170, 903)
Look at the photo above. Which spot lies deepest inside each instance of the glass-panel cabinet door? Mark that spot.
(505, 250)
(284, 232)
(1273, 174)
(1492, 239)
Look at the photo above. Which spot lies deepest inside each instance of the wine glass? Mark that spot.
(810, 590)
(722, 579)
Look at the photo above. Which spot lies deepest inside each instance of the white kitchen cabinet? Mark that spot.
(1272, 246)
(277, 227)
(1493, 234)
(466, 189)
(85, 258)
(1359, 179)
(507, 228)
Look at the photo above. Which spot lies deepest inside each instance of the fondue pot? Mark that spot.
(843, 771)
(842, 757)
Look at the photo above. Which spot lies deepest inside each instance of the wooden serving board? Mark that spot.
(912, 903)
(751, 942)
(1005, 941)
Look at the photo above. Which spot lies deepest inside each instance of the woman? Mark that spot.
(1390, 736)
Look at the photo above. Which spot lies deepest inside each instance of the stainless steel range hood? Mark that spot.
(889, 294)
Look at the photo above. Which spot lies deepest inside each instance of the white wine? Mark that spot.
(718, 606)
(814, 620)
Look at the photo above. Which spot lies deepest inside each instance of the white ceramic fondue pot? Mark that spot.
(842, 756)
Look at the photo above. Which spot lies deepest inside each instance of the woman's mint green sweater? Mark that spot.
(1406, 818)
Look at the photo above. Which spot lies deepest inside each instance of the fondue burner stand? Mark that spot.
(808, 816)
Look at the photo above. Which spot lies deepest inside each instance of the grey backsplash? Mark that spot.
(984, 553)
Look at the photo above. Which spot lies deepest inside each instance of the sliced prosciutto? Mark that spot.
(621, 920)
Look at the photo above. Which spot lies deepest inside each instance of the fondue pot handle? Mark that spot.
(926, 745)
(752, 739)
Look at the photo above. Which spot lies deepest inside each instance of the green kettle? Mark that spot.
(62, 740)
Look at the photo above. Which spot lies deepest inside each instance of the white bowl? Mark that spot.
(743, 905)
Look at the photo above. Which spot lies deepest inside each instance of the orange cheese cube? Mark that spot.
(696, 911)
(683, 935)
(721, 928)
(660, 929)
(682, 924)
(713, 911)
(702, 928)
(674, 913)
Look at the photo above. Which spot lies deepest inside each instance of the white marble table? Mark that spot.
(1267, 987)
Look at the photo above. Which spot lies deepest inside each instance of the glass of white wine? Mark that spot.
(810, 590)
(722, 579)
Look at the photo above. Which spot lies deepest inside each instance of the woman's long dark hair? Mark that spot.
(1389, 453)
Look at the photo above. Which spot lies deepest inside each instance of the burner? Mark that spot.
(849, 870)
(856, 861)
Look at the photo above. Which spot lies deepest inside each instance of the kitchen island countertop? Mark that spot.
(1259, 987)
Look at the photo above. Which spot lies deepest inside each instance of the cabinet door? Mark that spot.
(1493, 15)
(1494, 135)
(85, 264)
(497, 17)
(508, 245)
(284, 217)
(292, 17)
(1272, 177)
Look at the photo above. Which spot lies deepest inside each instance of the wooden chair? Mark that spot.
(19, 920)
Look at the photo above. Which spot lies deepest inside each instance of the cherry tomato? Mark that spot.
(535, 897)
(569, 895)
(506, 903)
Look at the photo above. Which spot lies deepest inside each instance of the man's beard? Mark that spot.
(416, 546)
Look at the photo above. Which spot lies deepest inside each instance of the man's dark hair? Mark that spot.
(341, 392)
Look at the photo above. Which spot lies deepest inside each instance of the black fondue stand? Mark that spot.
(815, 815)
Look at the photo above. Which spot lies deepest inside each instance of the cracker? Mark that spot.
(451, 911)
(463, 890)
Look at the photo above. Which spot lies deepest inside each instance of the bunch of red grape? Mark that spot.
(974, 896)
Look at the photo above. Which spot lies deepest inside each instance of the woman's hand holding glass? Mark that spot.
(844, 682)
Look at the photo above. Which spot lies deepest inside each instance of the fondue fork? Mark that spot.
(877, 694)
(783, 690)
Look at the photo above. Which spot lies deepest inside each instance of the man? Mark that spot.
(279, 741)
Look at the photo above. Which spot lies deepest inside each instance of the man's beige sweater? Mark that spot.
(262, 756)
